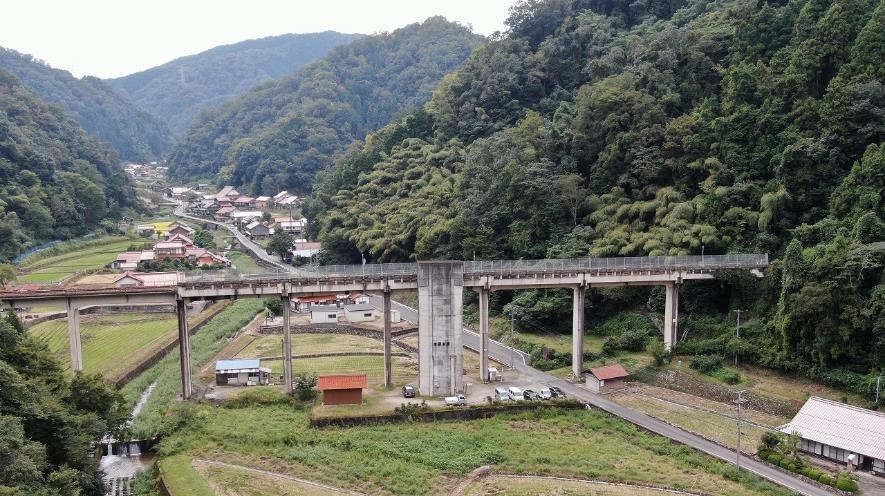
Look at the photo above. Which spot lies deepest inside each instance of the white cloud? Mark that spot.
(110, 38)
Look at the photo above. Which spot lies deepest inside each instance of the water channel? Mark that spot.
(122, 460)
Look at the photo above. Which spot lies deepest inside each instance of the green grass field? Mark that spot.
(432, 458)
(537, 486)
(309, 344)
(243, 262)
(55, 268)
(241, 482)
(373, 366)
(111, 342)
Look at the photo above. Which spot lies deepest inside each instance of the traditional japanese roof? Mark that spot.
(244, 200)
(614, 371)
(839, 425)
(262, 199)
(151, 278)
(225, 210)
(169, 245)
(355, 381)
(280, 195)
(129, 256)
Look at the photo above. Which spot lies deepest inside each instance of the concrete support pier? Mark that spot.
(388, 366)
(440, 323)
(74, 336)
(671, 315)
(484, 334)
(578, 331)
(184, 348)
(286, 301)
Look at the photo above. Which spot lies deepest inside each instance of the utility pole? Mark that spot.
(878, 382)
(737, 334)
(740, 402)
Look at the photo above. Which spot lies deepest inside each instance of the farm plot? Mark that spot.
(404, 369)
(714, 421)
(55, 268)
(112, 343)
(503, 485)
(311, 344)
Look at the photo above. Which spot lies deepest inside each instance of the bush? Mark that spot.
(775, 459)
(633, 340)
(303, 386)
(274, 306)
(611, 346)
(826, 479)
(413, 408)
(769, 440)
(846, 482)
(727, 376)
(706, 364)
(658, 351)
(258, 397)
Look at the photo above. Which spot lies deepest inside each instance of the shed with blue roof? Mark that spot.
(244, 372)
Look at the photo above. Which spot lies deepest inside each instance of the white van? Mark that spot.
(515, 393)
(501, 394)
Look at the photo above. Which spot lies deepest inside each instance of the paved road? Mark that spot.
(244, 240)
(502, 353)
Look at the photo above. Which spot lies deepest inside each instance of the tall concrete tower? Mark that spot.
(440, 304)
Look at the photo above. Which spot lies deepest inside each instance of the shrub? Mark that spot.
(770, 440)
(611, 346)
(274, 306)
(846, 482)
(826, 479)
(658, 351)
(706, 363)
(412, 408)
(258, 397)
(775, 458)
(633, 340)
(303, 386)
(727, 376)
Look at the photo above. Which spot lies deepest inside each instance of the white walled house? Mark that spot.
(360, 313)
(323, 314)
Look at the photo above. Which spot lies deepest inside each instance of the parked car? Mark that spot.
(501, 394)
(545, 394)
(459, 400)
(530, 395)
(557, 393)
(515, 393)
(408, 391)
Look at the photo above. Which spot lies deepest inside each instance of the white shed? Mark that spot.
(323, 314)
(359, 313)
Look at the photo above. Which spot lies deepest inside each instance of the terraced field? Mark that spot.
(404, 369)
(55, 268)
(310, 344)
(112, 343)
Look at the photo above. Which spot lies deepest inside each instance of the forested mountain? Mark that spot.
(279, 134)
(111, 117)
(179, 90)
(617, 128)
(55, 181)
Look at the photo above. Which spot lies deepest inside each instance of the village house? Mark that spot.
(180, 238)
(607, 378)
(295, 227)
(261, 202)
(224, 214)
(203, 257)
(258, 230)
(243, 218)
(342, 389)
(243, 202)
(306, 249)
(129, 260)
(179, 191)
(228, 193)
(178, 228)
(137, 279)
(243, 372)
(289, 201)
(359, 313)
(323, 314)
(842, 433)
(166, 249)
(145, 230)
(282, 195)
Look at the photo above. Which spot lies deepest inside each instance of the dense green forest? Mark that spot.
(179, 90)
(615, 128)
(111, 117)
(279, 134)
(56, 182)
(49, 421)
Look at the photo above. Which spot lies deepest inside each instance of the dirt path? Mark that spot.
(198, 461)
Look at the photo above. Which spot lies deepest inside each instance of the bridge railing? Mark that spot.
(689, 262)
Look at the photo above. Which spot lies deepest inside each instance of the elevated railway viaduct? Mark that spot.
(440, 286)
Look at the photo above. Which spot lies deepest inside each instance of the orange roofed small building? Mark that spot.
(602, 379)
(342, 389)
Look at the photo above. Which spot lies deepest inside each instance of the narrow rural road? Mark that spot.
(244, 240)
(502, 353)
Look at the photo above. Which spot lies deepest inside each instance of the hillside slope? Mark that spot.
(179, 90)
(625, 129)
(279, 134)
(55, 181)
(99, 109)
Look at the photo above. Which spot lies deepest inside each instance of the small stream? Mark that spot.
(122, 460)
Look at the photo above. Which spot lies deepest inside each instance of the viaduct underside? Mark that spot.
(440, 286)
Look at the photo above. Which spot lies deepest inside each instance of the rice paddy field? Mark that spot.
(404, 369)
(112, 343)
(56, 268)
(434, 458)
(310, 344)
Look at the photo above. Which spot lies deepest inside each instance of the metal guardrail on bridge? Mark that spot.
(493, 267)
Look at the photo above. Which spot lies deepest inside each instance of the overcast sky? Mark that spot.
(110, 38)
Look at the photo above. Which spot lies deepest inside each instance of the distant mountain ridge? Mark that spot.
(280, 134)
(100, 110)
(179, 90)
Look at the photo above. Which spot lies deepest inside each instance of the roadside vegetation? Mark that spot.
(74, 257)
(428, 458)
(167, 372)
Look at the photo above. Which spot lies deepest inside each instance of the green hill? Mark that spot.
(625, 129)
(55, 181)
(280, 134)
(99, 109)
(179, 90)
